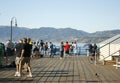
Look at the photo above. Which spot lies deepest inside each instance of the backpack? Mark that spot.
(46, 47)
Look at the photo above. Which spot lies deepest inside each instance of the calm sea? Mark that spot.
(81, 48)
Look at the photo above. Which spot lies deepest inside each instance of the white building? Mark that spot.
(109, 48)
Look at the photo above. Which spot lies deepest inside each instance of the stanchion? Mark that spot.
(96, 74)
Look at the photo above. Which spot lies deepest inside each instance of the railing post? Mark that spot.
(119, 52)
(95, 57)
(80, 50)
(109, 49)
(88, 52)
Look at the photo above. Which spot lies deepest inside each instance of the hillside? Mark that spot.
(56, 35)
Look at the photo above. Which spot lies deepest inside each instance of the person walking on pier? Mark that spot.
(25, 57)
(18, 50)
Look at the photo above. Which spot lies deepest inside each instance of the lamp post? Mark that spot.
(11, 23)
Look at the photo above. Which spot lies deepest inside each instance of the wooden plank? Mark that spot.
(76, 78)
(65, 67)
(55, 69)
(81, 70)
(73, 69)
(90, 72)
(69, 78)
(106, 73)
(45, 73)
(38, 66)
(59, 69)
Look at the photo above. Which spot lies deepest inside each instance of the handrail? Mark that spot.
(108, 43)
(115, 52)
(110, 55)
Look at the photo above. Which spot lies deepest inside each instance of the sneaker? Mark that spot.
(29, 75)
(16, 73)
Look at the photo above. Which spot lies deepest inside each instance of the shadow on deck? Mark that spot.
(74, 69)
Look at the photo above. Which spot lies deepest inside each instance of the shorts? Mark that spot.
(17, 60)
(67, 52)
(25, 60)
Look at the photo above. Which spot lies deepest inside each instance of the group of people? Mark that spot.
(25, 48)
(68, 49)
(23, 51)
(46, 48)
(93, 51)
(43, 48)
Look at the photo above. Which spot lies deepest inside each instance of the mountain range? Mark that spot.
(55, 35)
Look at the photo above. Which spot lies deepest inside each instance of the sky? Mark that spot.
(86, 15)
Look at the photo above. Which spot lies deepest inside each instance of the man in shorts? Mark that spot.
(18, 50)
(25, 57)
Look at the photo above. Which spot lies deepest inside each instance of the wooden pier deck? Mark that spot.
(74, 69)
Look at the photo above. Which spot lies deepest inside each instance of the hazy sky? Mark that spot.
(86, 15)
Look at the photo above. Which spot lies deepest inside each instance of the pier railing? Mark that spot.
(109, 50)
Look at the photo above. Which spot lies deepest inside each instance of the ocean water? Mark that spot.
(81, 48)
